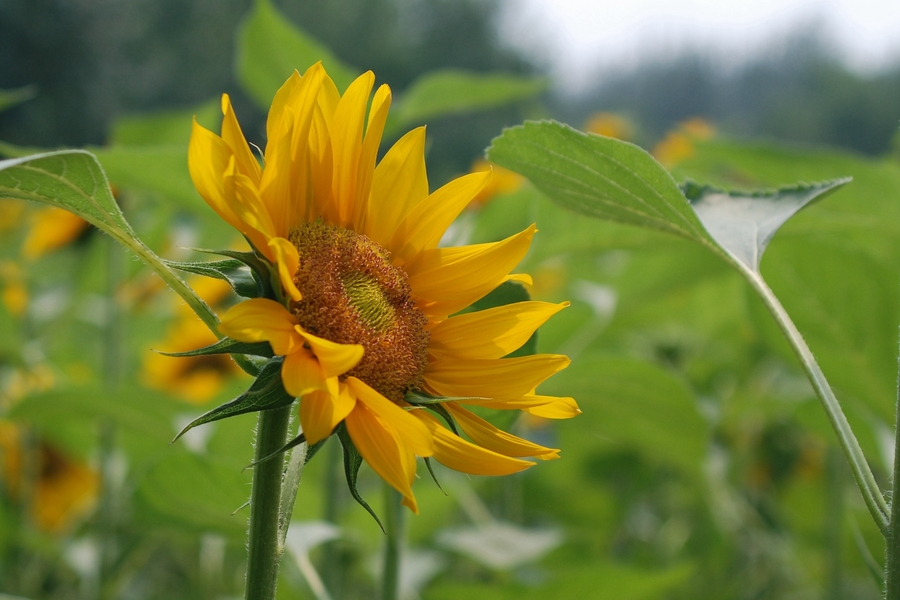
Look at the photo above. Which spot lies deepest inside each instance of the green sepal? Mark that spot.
(235, 272)
(263, 272)
(352, 461)
(419, 398)
(228, 345)
(444, 414)
(310, 452)
(433, 476)
(266, 393)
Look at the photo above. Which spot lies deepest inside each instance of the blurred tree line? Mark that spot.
(800, 90)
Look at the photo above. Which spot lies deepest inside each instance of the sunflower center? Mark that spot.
(352, 294)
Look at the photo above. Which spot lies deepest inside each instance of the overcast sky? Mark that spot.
(576, 35)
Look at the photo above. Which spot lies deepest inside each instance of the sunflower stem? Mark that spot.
(892, 558)
(865, 479)
(264, 548)
(395, 524)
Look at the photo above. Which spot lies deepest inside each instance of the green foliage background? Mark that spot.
(702, 467)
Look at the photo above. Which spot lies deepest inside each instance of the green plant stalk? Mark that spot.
(395, 525)
(865, 480)
(264, 548)
(892, 554)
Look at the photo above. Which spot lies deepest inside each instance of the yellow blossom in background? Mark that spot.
(610, 125)
(12, 288)
(503, 181)
(678, 144)
(363, 314)
(195, 379)
(63, 490)
(51, 228)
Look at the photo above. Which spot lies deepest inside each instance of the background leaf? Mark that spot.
(270, 48)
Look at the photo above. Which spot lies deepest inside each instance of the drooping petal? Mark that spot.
(492, 378)
(548, 407)
(398, 184)
(558, 408)
(261, 319)
(301, 374)
(491, 333)
(234, 137)
(458, 454)
(288, 260)
(346, 128)
(425, 224)
(409, 430)
(378, 113)
(336, 359)
(486, 435)
(320, 413)
(381, 448)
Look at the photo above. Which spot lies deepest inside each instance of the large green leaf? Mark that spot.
(452, 91)
(743, 223)
(75, 181)
(270, 48)
(598, 176)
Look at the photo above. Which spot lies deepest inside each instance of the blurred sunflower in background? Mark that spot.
(364, 302)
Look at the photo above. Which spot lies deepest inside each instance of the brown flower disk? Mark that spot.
(352, 294)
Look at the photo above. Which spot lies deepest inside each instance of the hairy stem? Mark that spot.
(865, 480)
(264, 548)
(395, 524)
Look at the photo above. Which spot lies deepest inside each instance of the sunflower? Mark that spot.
(365, 302)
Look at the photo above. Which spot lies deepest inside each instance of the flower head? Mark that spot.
(363, 298)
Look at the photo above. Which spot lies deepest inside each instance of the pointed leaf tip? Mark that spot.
(744, 222)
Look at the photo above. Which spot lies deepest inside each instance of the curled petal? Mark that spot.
(336, 359)
(262, 320)
(410, 431)
(302, 375)
(320, 412)
(288, 261)
(486, 435)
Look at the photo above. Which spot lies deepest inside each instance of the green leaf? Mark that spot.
(270, 48)
(228, 346)
(75, 181)
(743, 223)
(234, 271)
(453, 91)
(165, 127)
(598, 176)
(352, 462)
(9, 98)
(266, 393)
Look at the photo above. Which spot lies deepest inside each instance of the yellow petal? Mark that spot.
(302, 375)
(261, 319)
(491, 333)
(486, 435)
(409, 430)
(458, 454)
(234, 137)
(380, 447)
(492, 378)
(446, 280)
(558, 408)
(346, 137)
(320, 413)
(247, 204)
(208, 157)
(399, 184)
(378, 113)
(336, 359)
(288, 261)
(274, 122)
(425, 224)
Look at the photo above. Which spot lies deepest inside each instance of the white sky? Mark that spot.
(579, 35)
